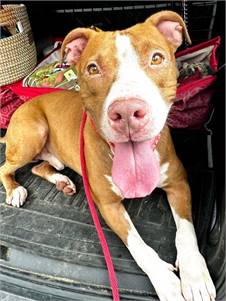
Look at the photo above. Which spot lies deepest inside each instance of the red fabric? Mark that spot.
(192, 112)
(191, 109)
(26, 93)
(193, 105)
(104, 245)
(213, 58)
(9, 102)
(15, 98)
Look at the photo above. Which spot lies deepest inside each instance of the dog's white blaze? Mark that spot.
(114, 188)
(132, 82)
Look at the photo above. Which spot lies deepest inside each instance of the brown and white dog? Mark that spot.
(128, 82)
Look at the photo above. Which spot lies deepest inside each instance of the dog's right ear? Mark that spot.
(74, 44)
(171, 26)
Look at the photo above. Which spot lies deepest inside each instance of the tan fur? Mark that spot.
(152, 40)
(57, 117)
(166, 15)
(48, 127)
(176, 187)
(43, 170)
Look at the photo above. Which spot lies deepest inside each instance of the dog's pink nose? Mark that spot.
(128, 115)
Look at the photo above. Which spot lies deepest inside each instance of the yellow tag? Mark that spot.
(77, 88)
(70, 75)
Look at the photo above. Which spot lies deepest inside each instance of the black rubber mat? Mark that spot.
(52, 244)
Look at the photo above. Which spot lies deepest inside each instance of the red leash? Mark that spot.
(107, 255)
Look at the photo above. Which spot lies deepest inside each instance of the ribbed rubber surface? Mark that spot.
(51, 240)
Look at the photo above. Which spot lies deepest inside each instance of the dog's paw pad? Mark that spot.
(60, 185)
(69, 190)
(18, 197)
(63, 183)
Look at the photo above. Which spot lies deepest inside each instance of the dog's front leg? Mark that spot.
(196, 282)
(160, 273)
(109, 201)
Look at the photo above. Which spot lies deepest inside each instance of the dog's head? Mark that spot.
(128, 82)
(128, 77)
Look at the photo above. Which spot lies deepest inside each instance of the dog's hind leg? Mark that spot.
(24, 141)
(62, 182)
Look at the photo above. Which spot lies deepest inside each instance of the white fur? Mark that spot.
(194, 273)
(57, 177)
(163, 171)
(18, 197)
(160, 273)
(49, 157)
(133, 82)
(163, 174)
(114, 188)
(42, 130)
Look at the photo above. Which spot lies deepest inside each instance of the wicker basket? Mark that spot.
(17, 53)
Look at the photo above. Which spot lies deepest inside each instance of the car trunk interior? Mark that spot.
(49, 248)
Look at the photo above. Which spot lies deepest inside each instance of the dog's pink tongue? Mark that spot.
(135, 169)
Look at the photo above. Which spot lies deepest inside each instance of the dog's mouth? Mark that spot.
(135, 169)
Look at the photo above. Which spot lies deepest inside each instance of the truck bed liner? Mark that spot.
(49, 247)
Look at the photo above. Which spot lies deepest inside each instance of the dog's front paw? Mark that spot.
(165, 282)
(63, 183)
(17, 197)
(196, 282)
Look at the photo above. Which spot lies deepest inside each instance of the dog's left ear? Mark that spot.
(74, 44)
(172, 26)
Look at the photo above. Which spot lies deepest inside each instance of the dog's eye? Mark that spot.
(157, 59)
(93, 69)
